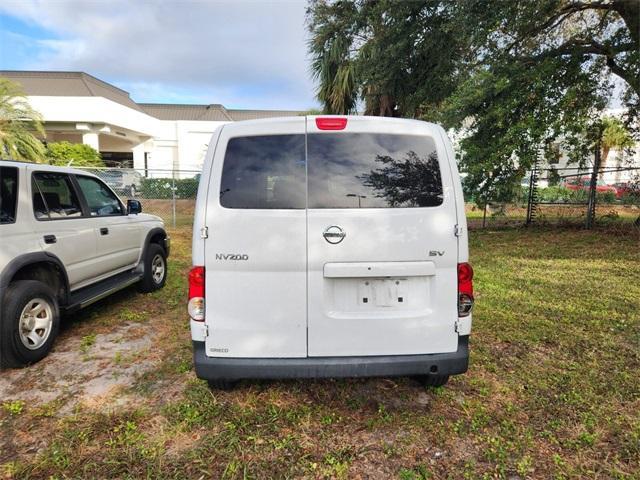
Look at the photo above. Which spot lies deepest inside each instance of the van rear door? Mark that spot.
(382, 252)
(255, 253)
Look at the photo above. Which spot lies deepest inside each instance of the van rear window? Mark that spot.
(372, 170)
(8, 194)
(264, 172)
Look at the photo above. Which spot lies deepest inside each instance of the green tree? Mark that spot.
(393, 56)
(512, 77)
(614, 136)
(20, 125)
(73, 154)
(554, 177)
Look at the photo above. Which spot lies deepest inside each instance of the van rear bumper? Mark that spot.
(220, 368)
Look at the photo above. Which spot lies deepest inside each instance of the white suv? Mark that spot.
(66, 241)
(330, 247)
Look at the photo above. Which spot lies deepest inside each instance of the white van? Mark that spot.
(330, 247)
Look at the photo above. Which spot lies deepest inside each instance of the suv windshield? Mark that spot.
(8, 194)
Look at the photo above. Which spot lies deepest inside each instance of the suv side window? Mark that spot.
(8, 194)
(264, 172)
(101, 201)
(54, 197)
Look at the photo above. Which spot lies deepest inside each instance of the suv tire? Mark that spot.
(30, 323)
(155, 269)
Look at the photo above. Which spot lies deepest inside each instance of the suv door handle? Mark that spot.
(50, 239)
(104, 231)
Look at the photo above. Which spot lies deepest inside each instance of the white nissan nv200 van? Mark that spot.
(330, 247)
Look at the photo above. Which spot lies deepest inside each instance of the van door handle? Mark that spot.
(104, 231)
(50, 239)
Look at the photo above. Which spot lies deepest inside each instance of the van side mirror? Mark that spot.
(134, 207)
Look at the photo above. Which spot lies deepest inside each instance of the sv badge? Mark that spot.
(436, 253)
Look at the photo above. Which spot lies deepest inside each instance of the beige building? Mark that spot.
(80, 108)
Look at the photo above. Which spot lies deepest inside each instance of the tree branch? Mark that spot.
(629, 10)
(627, 76)
(585, 47)
(559, 17)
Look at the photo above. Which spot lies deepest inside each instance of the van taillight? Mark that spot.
(331, 123)
(196, 294)
(465, 289)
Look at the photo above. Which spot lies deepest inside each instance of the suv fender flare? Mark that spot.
(28, 259)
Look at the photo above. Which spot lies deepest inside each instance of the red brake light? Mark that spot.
(196, 282)
(196, 294)
(465, 289)
(465, 277)
(331, 123)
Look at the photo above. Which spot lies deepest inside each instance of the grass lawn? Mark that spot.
(553, 389)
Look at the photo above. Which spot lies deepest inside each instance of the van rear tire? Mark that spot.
(432, 380)
(224, 385)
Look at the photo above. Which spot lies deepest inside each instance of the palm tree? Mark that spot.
(614, 136)
(19, 125)
(335, 73)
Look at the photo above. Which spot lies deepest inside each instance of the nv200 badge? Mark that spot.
(232, 256)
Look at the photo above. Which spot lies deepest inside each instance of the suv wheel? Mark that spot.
(30, 322)
(155, 269)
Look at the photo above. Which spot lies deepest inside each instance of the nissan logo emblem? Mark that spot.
(333, 234)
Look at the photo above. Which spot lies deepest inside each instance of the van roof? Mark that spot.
(379, 120)
(262, 121)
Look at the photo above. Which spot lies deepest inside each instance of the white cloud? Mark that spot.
(252, 53)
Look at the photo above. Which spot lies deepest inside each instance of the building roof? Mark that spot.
(80, 84)
(68, 84)
(167, 111)
(238, 115)
(212, 112)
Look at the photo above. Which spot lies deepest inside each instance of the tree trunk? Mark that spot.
(603, 160)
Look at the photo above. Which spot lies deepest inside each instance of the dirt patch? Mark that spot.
(83, 369)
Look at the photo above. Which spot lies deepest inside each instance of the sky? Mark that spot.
(243, 54)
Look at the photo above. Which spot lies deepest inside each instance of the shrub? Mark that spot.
(631, 199)
(160, 188)
(79, 154)
(605, 197)
(561, 194)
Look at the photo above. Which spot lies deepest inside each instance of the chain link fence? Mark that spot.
(169, 194)
(570, 196)
(547, 196)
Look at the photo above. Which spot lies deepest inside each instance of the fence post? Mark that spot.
(173, 198)
(484, 215)
(591, 206)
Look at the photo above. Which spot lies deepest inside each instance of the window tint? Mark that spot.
(8, 194)
(54, 196)
(351, 170)
(264, 172)
(101, 201)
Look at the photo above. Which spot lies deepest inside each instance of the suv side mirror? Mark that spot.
(134, 207)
